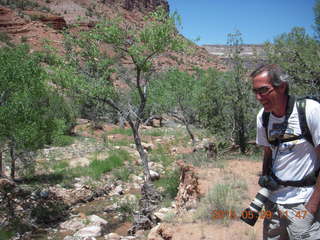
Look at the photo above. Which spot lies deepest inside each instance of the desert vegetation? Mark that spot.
(108, 76)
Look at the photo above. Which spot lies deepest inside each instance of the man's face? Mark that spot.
(268, 95)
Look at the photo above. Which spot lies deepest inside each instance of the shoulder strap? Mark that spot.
(265, 121)
(266, 116)
(301, 107)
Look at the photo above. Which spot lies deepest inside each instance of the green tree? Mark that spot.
(316, 11)
(174, 93)
(212, 101)
(239, 88)
(90, 76)
(299, 55)
(29, 117)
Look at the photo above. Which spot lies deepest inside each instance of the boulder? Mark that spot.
(89, 231)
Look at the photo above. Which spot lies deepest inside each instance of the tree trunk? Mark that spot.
(190, 133)
(1, 168)
(13, 162)
(142, 153)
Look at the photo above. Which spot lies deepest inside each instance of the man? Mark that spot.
(288, 158)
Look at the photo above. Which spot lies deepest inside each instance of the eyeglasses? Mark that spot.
(262, 91)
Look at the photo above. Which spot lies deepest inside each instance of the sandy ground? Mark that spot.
(236, 229)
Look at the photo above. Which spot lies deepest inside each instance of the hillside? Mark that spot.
(33, 21)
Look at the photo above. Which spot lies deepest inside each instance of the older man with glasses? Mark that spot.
(289, 158)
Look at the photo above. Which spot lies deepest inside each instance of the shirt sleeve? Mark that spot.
(261, 138)
(313, 120)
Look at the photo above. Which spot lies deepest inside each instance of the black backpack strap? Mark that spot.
(265, 122)
(266, 116)
(305, 132)
(289, 109)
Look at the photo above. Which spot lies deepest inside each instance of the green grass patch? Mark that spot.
(120, 142)
(5, 235)
(122, 173)
(62, 141)
(60, 166)
(154, 132)
(222, 198)
(122, 131)
(64, 175)
(254, 154)
(161, 154)
(170, 183)
(98, 167)
(200, 159)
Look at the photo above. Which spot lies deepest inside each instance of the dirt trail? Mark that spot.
(236, 229)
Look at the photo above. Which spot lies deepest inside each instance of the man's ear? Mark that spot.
(283, 86)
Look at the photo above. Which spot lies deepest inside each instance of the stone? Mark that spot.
(153, 234)
(73, 224)
(154, 175)
(89, 231)
(96, 220)
(162, 213)
(148, 146)
(55, 21)
(112, 236)
(79, 238)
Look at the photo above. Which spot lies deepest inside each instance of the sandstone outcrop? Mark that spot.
(55, 21)
(10, 22)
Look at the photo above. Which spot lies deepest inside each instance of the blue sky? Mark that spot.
(257, 20)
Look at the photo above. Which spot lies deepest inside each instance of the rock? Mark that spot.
(136, 179)
(158, 167)
(153, 234)
(73, 224)
(117, 191)
(148, 146)
(162, 213)
(130, 198)
(55, 21)
(79, 238)
(128, 238)
(160, 232)
(44, 193)
(112, 236)
(154, 175)
(89, 231)
(6, 185)
(140, 234)
(96, 220)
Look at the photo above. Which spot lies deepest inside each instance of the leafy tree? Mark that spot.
(28, 114)
(316, 10)
(299, 55)
(174, 93)
(88, 68)
(239, 89)
(212, 101)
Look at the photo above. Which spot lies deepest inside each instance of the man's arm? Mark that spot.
(267, 161)
(313, 203)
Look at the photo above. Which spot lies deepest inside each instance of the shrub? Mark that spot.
(223, 197)
(170, 183)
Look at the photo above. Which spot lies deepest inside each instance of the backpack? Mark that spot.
(301, 107)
